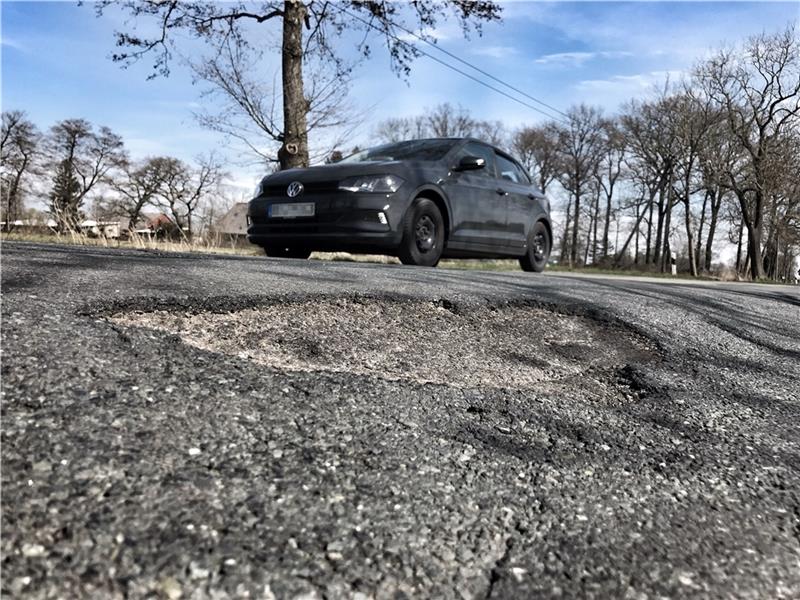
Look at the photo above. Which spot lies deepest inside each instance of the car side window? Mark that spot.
(509, 170)
(481, 151)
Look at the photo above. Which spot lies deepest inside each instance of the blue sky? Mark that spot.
(55, 65)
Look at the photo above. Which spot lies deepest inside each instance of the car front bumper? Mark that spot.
(342, 222)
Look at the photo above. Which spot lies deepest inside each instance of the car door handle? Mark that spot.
(532, 196)
(501, 191)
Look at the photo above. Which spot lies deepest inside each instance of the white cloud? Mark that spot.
(427, 32)
(496, 51)
(615, 54)
(241, 182)
(629, 84)
(191, 105)
(8, 42)
(574, 59)
(577, 59)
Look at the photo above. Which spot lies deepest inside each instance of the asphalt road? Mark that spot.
(191, 426)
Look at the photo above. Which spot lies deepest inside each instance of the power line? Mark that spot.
(478, 69)
(456, 69)
(491, 87)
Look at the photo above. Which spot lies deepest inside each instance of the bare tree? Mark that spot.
(758, 89)
(782, 218)
(443, 120)
(183, 187)
(82, 158)
(609, 172)
(491, 132)
(446, 120)
(651, 159)
(249, 108)
(692, 117)
(718, 156)
(537, 147)
(218, 23)
(397, 129)
(19, 146)
(580, 147)
(137, 187)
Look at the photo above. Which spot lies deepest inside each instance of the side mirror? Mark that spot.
(470, 163)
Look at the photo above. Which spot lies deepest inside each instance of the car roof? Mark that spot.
(476, 140)
(453, 139)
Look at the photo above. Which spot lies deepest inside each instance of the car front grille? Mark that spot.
(319, 218)
(314, 187)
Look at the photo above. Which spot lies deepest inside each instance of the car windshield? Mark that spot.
(428, 150)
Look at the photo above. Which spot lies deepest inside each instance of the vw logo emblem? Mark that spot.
(295, 189)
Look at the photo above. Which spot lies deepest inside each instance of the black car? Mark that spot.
(420, 200)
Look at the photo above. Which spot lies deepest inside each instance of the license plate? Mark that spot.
(291, 210)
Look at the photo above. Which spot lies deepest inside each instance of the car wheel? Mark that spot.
(283, 252)
(423, 234)
(539, 245)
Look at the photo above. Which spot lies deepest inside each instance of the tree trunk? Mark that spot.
(716, 203)
(747, 259)
(573, 255)
(689, 236)
(12, 199)
(772, 247)
(633, 231)
(777, 267)
(606, 225)
(133, 215)
(588, 241)
(660, 225)
(649, 239)
(15, 194)
(754, 230)
(636, 246)
(739, 248)
(665, 253)
(565, 237)
(699, 245)
(595, 245)
(294, 152)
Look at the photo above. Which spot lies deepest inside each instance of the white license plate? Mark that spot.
(291, 210)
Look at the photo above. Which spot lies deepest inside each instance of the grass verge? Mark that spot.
(220, 246)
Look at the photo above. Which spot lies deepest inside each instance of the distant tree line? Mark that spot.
(76, 167)
(720, 149)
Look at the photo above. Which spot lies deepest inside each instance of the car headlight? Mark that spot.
(378, 184)
(259, 189)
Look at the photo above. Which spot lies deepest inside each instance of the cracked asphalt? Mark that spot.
(194, 426)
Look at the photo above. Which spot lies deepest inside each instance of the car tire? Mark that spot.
(423, 234)
(539, 246)
(284, 252)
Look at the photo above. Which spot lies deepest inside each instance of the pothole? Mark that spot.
(516, 347)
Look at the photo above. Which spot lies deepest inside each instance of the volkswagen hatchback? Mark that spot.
(419, 200)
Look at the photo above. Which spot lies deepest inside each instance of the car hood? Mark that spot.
(341, 171)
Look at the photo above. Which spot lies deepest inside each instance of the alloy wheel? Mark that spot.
(425, 233)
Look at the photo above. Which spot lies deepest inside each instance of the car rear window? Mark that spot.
(425, 150)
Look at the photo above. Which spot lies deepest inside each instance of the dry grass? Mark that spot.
(135, 241)
(220, 245)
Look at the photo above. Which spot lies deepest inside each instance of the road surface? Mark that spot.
(192, 426)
